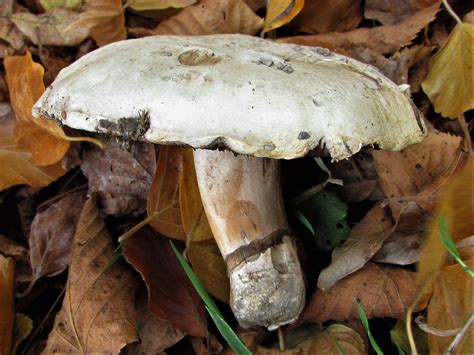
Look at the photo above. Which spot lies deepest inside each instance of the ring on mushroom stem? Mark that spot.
(254, 97)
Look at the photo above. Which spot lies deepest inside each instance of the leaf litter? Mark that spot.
(390, 200)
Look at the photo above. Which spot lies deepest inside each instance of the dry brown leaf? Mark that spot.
(328, 341)
(163, 197)
(209, 17)
(51, 28)
(12, 249)
(105, 19)
(280, 12)
(7, 284)
(418, 172)
(121, 178)
(8, 31)
(52, 233)
(359, 177)
(143, 5)
(98, 313)
(450, 80)
(450, 308)
(43, 138)
(209, 266)
(52, 65)
(383, 291)
(193, 216)
(321, 16)
(171, 295)
(387, 12)
(156, 335)
(365, 240)
(385, 39)
(17, 163)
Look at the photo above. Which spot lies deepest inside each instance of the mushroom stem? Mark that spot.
(244, 205)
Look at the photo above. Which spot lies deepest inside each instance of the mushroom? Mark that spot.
(258, 100)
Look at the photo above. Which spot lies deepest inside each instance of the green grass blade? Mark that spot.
(226, 331)
(450, 246)
(228, 334)
(365, 323)
(305, 221)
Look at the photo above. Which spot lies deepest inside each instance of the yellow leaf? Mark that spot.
(210, 269)
(193, 215)
(64, 4)
(17, 163)
(449, 83)
(43, 138)
(143, 5)
(280, 12)
(22, 327)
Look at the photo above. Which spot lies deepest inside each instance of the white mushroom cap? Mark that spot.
(254, 96)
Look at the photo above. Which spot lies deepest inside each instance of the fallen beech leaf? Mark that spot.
(163, 197)
(143, 5)
(365, 240)
(43, 138)
(156, 335)
(456, 206)
(171, 295)
(399, 337)
(383, 291)
(387, 12)
(17, 163)
(450, 307)
(51, 28)
(52, 233)
(7, 278)
(97, 314)
(8, 31)
(418, 172)
(209, 17)
(331, 340)
(280, 12)
(385, 39)
(105, 19)
(193, 216)
(328, 16)
(451, 74)
(64, 4)
(121, 178)
(210, 269)
(12, 249)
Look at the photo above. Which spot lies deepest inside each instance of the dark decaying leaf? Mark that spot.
(97, 315)
(120, 177)
(383, 291)
(171, 295)
(52, 233)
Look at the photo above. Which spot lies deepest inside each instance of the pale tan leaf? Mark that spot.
(163, 198)
(97, 314)
(143, 5)
(450, 80)
(383, 291)
(193, 216)
(209, 17)
(105, 20)
(51, 28)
